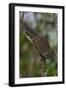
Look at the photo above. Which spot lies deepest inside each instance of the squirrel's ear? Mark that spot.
(46, 36)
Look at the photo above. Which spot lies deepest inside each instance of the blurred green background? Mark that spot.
(30, 63)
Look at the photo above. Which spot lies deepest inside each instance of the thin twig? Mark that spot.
(43, 67)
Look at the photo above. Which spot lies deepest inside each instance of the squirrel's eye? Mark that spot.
(46, 54)
(36, 47)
